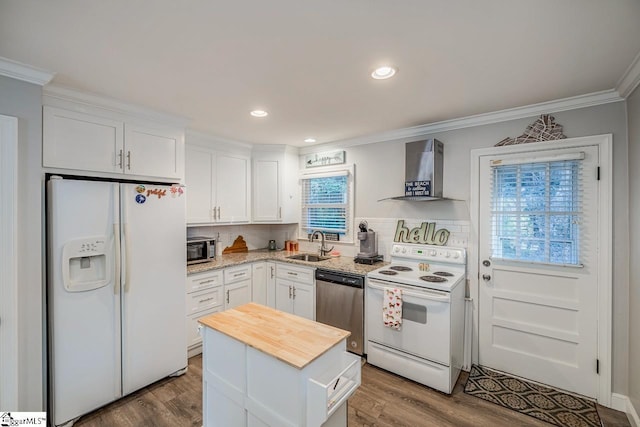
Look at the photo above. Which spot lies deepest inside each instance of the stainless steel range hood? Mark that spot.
(423, 171)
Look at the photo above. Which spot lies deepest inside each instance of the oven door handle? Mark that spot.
(424, 294)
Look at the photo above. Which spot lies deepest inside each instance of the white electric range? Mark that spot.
(428, 348)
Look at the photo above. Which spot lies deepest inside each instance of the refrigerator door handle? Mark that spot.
(116, 238)
(127, 258)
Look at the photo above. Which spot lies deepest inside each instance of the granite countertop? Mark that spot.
(291, 339)
(345, 264)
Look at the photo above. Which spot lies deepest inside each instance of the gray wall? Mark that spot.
(380, 174)
(633, 111)
(24, 101)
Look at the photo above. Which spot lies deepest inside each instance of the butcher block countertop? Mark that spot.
(292, 339)
(345, 264)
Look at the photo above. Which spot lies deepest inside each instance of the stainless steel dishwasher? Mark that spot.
(340, 303)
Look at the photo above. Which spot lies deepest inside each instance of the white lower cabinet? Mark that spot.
(259, 282)
(245, 387)
(204, 297)
(237, 285)
(295, 291)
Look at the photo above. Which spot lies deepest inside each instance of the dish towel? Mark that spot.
(392, 308)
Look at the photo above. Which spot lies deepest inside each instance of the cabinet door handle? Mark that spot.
(227, 297)
(219, 214)
(213, 213)
(205, 300)
(292, 273)
(294, 292)
(238, 274)
(289, 292)
(129, 159)
(204, 282)
(280, 212)
(272, 272)
(120, 158)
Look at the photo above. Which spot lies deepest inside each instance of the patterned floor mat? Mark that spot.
(543, 403)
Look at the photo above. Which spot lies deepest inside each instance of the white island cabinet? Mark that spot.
(264, 367)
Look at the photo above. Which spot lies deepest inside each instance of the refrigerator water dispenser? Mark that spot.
(86, 264)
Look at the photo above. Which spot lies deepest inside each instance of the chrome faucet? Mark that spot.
(323, 248)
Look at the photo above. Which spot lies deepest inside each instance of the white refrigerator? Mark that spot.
(116, 291)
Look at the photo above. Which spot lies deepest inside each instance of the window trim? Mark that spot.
(326, 172)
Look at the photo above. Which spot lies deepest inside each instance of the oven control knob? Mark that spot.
(447, 254)
(404, 250)
(456, 255)
(433, 252)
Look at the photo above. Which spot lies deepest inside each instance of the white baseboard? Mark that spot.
(620, 402)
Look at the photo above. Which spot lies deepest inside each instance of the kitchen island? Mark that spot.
(263, 367)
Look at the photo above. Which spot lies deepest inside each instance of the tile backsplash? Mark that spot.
(386, 229)
(257, 236)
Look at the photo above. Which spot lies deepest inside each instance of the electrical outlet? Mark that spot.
(457, 241)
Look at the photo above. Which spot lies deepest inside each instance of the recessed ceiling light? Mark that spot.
(384, 72)
(259, 113)
(310, 140)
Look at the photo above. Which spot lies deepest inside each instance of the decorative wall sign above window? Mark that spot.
(324, 159)
(543, 129)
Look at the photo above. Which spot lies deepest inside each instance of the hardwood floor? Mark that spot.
(383, 400)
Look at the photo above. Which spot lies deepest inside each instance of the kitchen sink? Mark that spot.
(308, 257)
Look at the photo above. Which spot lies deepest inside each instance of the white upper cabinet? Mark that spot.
(275, 184)
(217, 186)
(152, 151)
(74, 140)
(232, 188)
(100, 140)
(199, 173)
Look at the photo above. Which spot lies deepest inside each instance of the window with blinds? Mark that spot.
(326, 203)
(536, 210)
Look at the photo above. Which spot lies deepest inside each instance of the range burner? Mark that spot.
(400, 268)
(388, 272)
(443, 273)
(434, 279)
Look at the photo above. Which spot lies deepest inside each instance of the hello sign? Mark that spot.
(425, 234)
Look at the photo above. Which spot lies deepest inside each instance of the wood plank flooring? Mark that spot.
(383, 400)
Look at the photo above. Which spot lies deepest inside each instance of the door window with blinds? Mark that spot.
(327, 203)
(536, 209)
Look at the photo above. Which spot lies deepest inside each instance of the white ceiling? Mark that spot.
(308, 62)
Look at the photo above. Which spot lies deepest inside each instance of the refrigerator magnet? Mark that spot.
(140, 198)
(140, 189)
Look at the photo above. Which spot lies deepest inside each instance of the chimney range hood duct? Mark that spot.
(423, 171)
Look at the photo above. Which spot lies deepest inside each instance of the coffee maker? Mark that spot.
(368, 245)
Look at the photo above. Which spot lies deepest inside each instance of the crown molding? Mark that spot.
(630, 79)
(26, 73)
(417, 132)
(214, 139)
(66, 94)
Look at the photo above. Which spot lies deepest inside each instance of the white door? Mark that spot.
(232, 188)
(73, 140)
(83, 296)
(284, 295)
(259, 283)
(303, 301)
(237, 294)
(266, 190)
(153, 151)
(538, 266)
(154, 270)
(199, 181)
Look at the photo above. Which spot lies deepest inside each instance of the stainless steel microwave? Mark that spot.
(200, 249)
